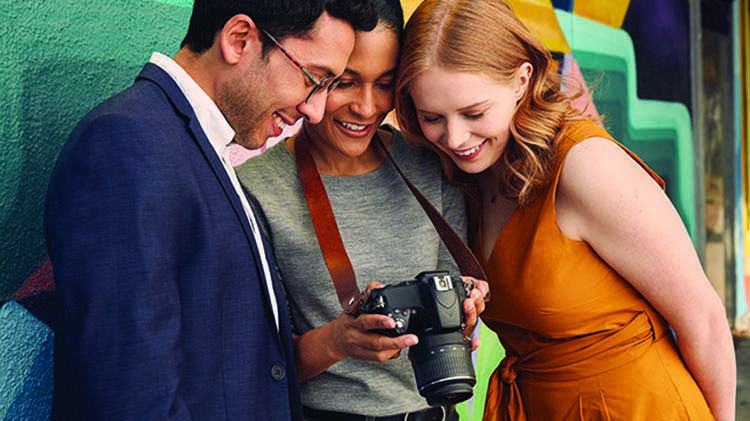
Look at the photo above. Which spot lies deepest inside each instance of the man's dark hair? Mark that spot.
(281, 18)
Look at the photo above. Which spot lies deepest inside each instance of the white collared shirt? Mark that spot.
(220, 134)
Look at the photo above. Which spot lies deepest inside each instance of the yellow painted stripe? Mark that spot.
(409, 6)
(608, 12)
(539, 16)
(744, 29)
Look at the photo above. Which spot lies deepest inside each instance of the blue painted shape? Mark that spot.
(566, 5)
(34, 400)
(22, 340)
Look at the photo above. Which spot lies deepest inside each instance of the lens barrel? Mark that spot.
(443, 368)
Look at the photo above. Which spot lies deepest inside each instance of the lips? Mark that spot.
(280, 124)
(355, 130)
(468, 153)
(353, 127)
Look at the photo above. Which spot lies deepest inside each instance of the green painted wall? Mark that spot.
(59, 59)
(659, 132)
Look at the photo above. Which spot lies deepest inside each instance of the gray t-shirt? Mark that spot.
(388, 238)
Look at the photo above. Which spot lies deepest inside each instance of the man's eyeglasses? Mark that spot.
(328, 82)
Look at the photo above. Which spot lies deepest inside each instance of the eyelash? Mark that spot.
(385, 86)
(472, 117)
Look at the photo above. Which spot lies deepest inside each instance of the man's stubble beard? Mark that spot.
(243, 104)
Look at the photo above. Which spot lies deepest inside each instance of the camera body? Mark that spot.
(432, 301)
(431, 307)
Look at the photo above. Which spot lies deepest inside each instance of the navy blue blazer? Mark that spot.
(164, 311)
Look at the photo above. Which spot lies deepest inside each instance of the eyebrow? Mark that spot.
(478, 104)
(460, 110)
(314, 68)
(388, 73)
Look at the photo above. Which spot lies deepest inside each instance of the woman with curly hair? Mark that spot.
(599, 297)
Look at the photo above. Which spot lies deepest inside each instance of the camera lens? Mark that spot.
(443, 368)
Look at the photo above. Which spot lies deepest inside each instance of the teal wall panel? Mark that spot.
(59, 59)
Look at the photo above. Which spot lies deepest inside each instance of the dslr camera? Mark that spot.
(431, 307)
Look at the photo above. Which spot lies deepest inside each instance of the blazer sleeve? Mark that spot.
(113, 221)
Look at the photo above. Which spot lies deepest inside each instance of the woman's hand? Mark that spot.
(348, 337)
(353, 338)
(479, 294)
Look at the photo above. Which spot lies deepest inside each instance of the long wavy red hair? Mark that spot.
(486, 37)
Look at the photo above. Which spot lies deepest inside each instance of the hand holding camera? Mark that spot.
(479, 295)
(432, 307)
(356, 338)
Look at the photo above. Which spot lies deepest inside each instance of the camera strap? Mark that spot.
(465, 259)
(329, 238)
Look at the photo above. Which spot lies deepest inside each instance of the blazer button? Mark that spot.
(278, 372)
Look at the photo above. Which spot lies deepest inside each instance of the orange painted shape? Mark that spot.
(409, 6)
(539, 16)
(608, 12)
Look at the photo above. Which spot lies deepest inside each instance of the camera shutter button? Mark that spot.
(401, 319)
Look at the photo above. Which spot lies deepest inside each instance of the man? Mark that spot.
(168, 309)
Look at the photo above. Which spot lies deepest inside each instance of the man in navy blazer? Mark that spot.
(169, 304)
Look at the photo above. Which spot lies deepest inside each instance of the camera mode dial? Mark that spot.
(401, 317)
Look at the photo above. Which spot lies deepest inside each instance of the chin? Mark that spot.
(473, 168)
(356, 152)
(251, 143)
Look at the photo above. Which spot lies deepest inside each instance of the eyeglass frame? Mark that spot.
(329, 82)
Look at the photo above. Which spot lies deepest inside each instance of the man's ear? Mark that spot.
(522, 79)
(238, 37)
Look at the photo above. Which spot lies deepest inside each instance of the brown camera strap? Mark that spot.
(329, 238)
(465, 259)
(321, 213)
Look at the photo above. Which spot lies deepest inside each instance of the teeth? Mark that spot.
(279, 121)
(354, 127)
(467, 152)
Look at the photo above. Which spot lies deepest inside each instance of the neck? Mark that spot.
(333, 162)
(200, 67)
(489, 182)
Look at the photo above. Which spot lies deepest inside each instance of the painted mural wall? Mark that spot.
(61, 58)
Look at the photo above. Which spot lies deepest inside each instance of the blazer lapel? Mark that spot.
(161, 78)
(155, 74)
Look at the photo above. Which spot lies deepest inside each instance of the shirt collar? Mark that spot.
(211, 119)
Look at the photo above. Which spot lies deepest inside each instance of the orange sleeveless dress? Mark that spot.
(581, 343)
